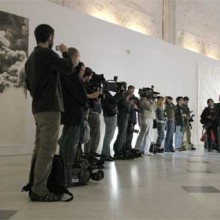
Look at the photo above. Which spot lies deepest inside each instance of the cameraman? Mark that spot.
(187, 128)
(94, 113)
(161, 120)
(124, 106)
(180, 117)
(170, 126)
(146, 115)
(75, 56)
(110, 111)
(75, 103)
(132, 120)
(209, 120)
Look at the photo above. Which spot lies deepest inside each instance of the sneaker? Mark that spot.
(107, 158)
(118, 157)
(49, 197)
(122, 157)
(160, 150)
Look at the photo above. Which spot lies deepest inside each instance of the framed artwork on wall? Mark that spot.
(14, 32)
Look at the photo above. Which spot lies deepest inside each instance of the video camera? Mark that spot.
(96, 82)
(149, 93)
(114, 85)
(191, 118)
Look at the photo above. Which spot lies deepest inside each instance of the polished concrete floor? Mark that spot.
(179, 186)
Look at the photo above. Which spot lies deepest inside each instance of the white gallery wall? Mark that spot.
(137, 59)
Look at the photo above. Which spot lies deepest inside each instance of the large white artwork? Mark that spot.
(13, 54)
(208, 86)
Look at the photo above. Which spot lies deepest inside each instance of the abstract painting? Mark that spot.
(14, 31)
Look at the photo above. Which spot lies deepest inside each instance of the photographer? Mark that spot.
(110, 111)
(146, 114)
(75, 56)
(80, 70)
(124, 106)
(43, 69)
(75, 103)
(209, 120)
(180, 117)
(170, 126)
(161, 120)
(187, 128)
(94, 112)
(132, 120)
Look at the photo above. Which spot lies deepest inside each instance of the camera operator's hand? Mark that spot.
(131, 101)
(184, 115)
(94, 95)
(135, 106)
(127, 98)
(63, 48)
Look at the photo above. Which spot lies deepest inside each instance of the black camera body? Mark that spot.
(96, 82)
(114, 85)
(191, 118)
(149, 93)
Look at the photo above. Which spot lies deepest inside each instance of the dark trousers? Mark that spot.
(212, 143)
(122, 130)
(68, 142)
(94, 124)
(168, 145)
(110, 127)
(129, 137)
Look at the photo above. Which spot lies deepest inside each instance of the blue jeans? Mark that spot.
(68, 143)
(94, 124)
(168, 145)
(110, 127)
(178, 137)
(160, 133)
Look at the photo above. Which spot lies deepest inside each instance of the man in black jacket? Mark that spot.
(94, 113)
(110, 111)
(132, 121)
(124, 106)
(179, 123)
(209, 118)
(43, 81)
(75, 104)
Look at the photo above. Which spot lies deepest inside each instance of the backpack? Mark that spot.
(55, 182)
